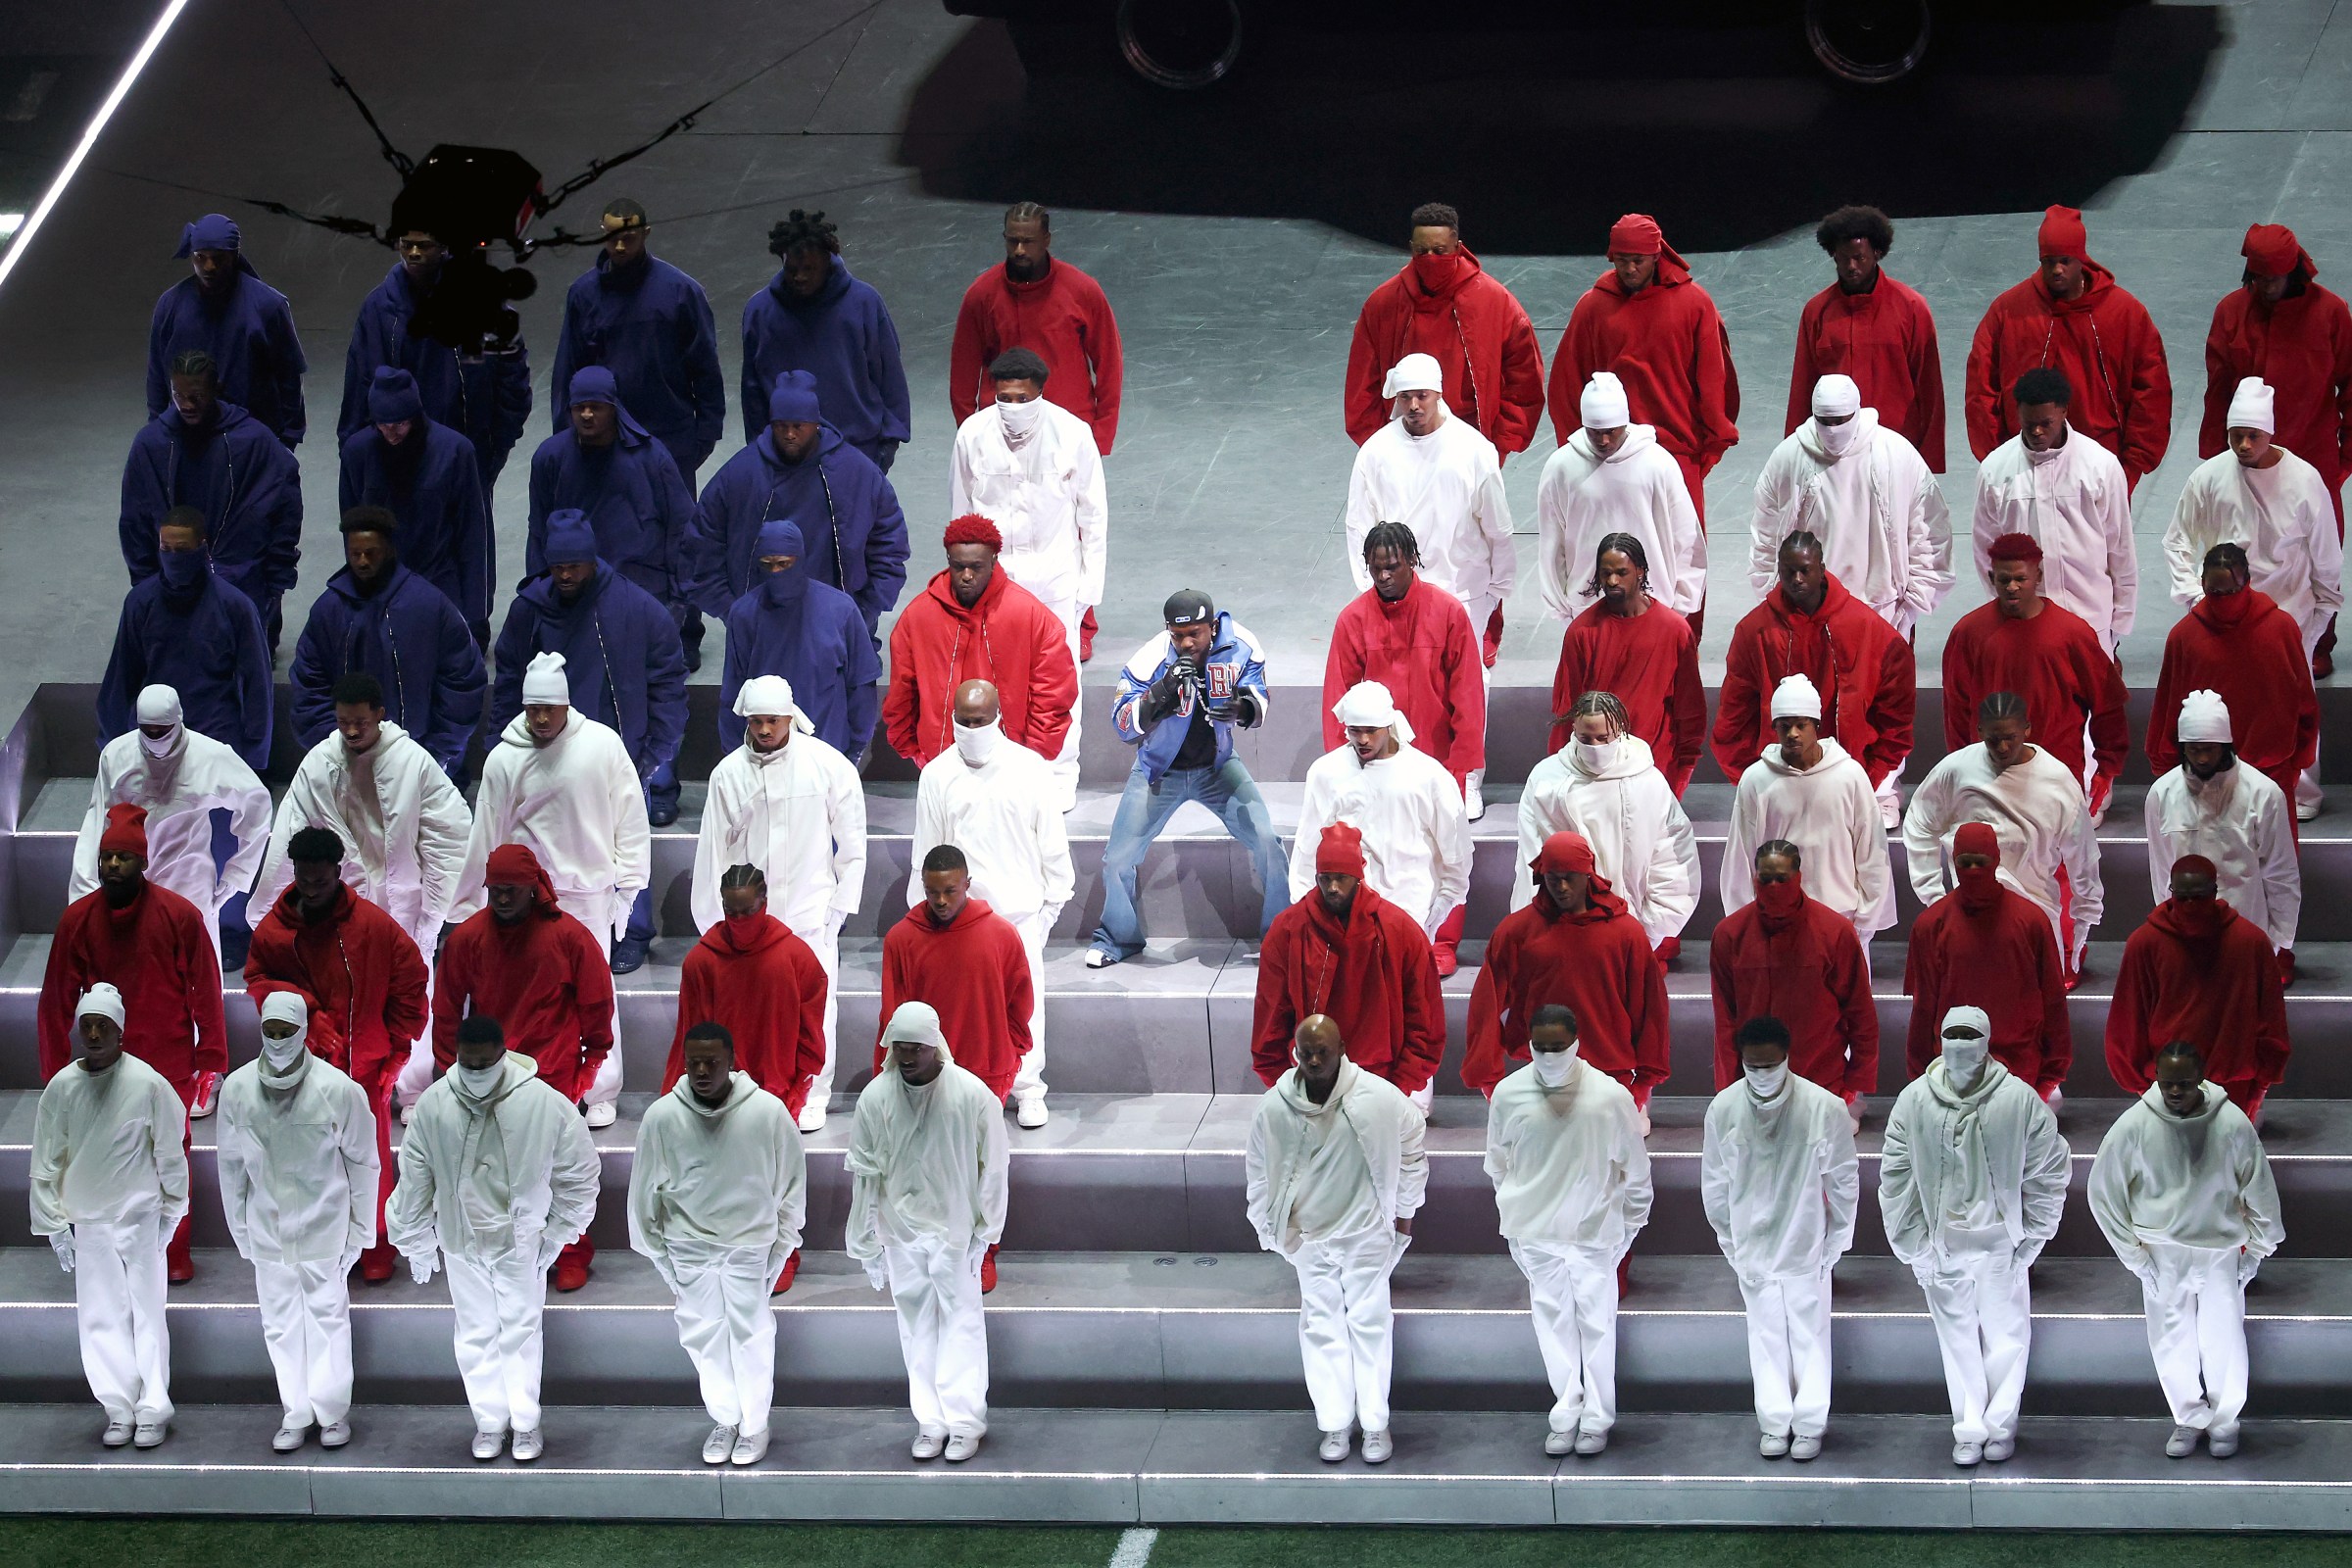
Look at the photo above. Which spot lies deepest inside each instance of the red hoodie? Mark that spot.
(1373, 975)
(1599, 963)
(2005, 960)
(1009, 637)
(2110, 351)
(1476, 333)
(769, 990)
(2247, 649)
(1863, 671)
(1885, 340)
(1062, 318)
(545, 979)
(1424, 649)
(159, 956)
(2303, 348)
(1651, 664)
(359, 971)
(1808, 971)
(2206, 978)
(975, 972)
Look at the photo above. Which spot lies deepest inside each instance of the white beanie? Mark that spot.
(1368, 705)
(771, 697)
(544, 683)
(918, 1021)
(285, 1007)
(2251, 406)
(1834, 395)
(1603, 406)
(2204, 717)
(159, 705)
(102, 1000)
(1415, 372)
(1966, 1018)
(1795, 698)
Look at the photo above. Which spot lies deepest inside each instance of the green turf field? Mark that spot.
(246, 1543)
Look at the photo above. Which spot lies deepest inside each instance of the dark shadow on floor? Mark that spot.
(1728, 132)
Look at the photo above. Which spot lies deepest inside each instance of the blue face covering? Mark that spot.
(182, 570)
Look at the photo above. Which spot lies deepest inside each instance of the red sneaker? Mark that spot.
(1448, 960)
(791, 1266)
(208, 1096)
(378, 1263)
(571, 1275)
(2286, 967)
(1670, 950)
(1085, 635)
(988, 1270)
(179, 1264)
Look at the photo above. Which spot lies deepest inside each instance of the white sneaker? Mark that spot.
(1806, 1450)
(1589, 1444)
(718, 1444)
(1966, 1454)
(1030, 1111)
(149, 1434)
(750, 1448)
(2221, 1443)
(812, 1118)
(1474, 800)
(927, 1443)
(1772, 1444)
(487, 1445)
(2182, 1443)
(1559, 1444)
(289, 1436)
(1641, 1121)
(1096, 958)
(527, 1445)
(2306, 811)
(1334, 1448)
(1998, 1451)
(961, 1446)
(116, 1435)
(601, 1114)
(1378, 1446)
(334, 1434)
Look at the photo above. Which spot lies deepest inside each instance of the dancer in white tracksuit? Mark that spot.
(565, 787)
(498, 1174)
(1335, 1171)
(994, 801)
(109, 1183)
(794, 807)
(716, 1197)
(1611, 476)
(298, 1182)
(1605, 785)
(2213, 805)
(2185, 1194)
(403, 828)
(1779, 1181)
(182, 777)
(1032, 468)
(927, 1167)
(1972, 1181)
(1572, 1187)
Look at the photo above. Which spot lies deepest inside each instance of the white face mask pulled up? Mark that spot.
(158, 749)
(280, 1054)
(1964, 1060)
(1022, 420)
(1595, 757)
(977, 745)
(1553, 1067)
(1765, 1083)
(1838, 439)
(478, 1082)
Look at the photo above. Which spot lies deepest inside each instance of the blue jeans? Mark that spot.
(1145, 810)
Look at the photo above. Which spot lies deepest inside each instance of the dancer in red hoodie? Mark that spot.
(1989, 947)
(2235, 641)
(972, 623)
(2199, 971)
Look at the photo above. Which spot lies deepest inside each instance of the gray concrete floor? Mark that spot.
(1235, 237)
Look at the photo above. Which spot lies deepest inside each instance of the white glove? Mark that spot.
(876, 1274)
(62, 1244)
(420, 1266)
(2247, 1263)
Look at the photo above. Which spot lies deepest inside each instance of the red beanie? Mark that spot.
(515, 863)
(2014, 547)
(1565, 852)
(973, 529)
(1637, 235)
(1342, 851)
(2063, 235)
(125, 831)
(1977, 838)
(2271, 251)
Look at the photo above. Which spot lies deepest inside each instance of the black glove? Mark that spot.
(1168, 694)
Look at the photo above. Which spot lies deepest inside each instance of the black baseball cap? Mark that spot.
(1188, 607)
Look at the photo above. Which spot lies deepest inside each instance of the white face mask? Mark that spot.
(481, 1080)
(1021, 419)
(1838, 439)
(1765, 1083)
(158, 749)
(977, 745)
(1594, 757)
(1964, 1060)
(1553, 1067)
(281, 1054)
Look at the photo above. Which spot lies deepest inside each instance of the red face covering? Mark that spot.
(1437, 274)
(2199, 920)
(1979, 886)
(744, 930)
(1780, 901)
(2225, 611)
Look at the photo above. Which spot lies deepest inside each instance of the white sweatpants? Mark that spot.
(1573, 1294)
(118, 1307)
(2197, 1335)
(606, 915)
(498, 1304)
(824, 940)
(730, 1333)
(1065, 767)
(1029, 1079)
(1788, 1353)
(306, 1326)
(2307, 786)
(1347, 1328)
(943, 1331)
(417, 1073)
(1984, 1315)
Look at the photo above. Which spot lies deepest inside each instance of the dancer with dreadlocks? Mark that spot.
(1606, 786)
(1416, 639)
(814, 315)
(1628, 643)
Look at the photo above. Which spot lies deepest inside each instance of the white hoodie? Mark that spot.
(1447, 486)
(1005, 815)
(1638, 490)
(575, 801)
(416, 834)
(106, 1148)
(1780, 1180)
(2282, 514)
(710, 1183)
(180, 791)
(1640, 839)
(1359, 1155)
(2074, 504)
(1568, 1165)
(1875, 508)
(1993, 1151)
(298, 1168)
(2243, 824)
(1045, 497)
(2200, 1180)
(513, 1172)
(1416, 829)
(927, 1161)
(1829, 812)
(2035, 808)
(799, 814)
